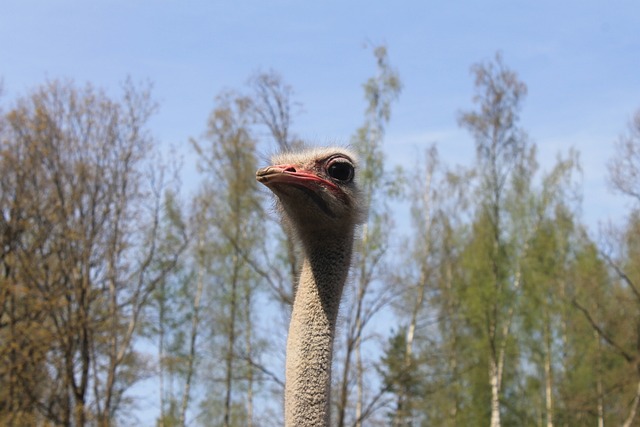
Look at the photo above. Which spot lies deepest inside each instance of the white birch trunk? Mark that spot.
(494, 380)
(548, 389)
(248, 350)
(599, 387)
(548, 373)
(195, 322)
(360, 374)
(634, 408)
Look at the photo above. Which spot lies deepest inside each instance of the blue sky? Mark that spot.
(580, 60)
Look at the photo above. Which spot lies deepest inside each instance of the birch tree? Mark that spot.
(231, 202)
(368, 297)
(621, 252)
(543, 308)
(502, 152)
(273, 107)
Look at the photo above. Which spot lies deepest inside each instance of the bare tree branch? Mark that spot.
(626, 355)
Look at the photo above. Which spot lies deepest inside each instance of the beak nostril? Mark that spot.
(289, 169)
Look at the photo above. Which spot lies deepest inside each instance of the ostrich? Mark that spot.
(322, 205)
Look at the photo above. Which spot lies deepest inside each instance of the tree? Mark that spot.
(175, 320)
(431, 303)
(207, 311)
(504, 161)
(589, 379)
(83, 251)
(624, 167)
(400, 363)
(231, 205)
(402, 377)
(621, 254)
(368, 298)
(272, 107)
(543, 310)
(271, 103)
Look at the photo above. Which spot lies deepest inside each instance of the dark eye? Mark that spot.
(341, 170)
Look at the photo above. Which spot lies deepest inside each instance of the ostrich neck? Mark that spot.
(312, 328)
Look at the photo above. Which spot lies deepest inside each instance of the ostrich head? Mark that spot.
(316, 189)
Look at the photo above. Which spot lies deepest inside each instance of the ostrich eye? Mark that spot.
(341, 170)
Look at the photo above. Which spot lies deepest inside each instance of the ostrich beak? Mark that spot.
(305, 181)
(289, 174)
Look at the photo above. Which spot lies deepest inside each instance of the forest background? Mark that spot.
(146, 280)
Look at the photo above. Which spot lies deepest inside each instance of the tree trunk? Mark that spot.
(548, 390)
(161, 349)
(344, 387)
(634, 408)
(599, 387)
(248, 350)
(548, 375)
(453, 354)
(354, 334)
(230, 344)
(424, 273)
(360, 375)
(494, 381)
(195, 322)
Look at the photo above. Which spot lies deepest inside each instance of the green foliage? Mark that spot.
(380, 92)
(401, 377)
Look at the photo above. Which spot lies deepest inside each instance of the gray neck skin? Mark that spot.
(312, 328)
